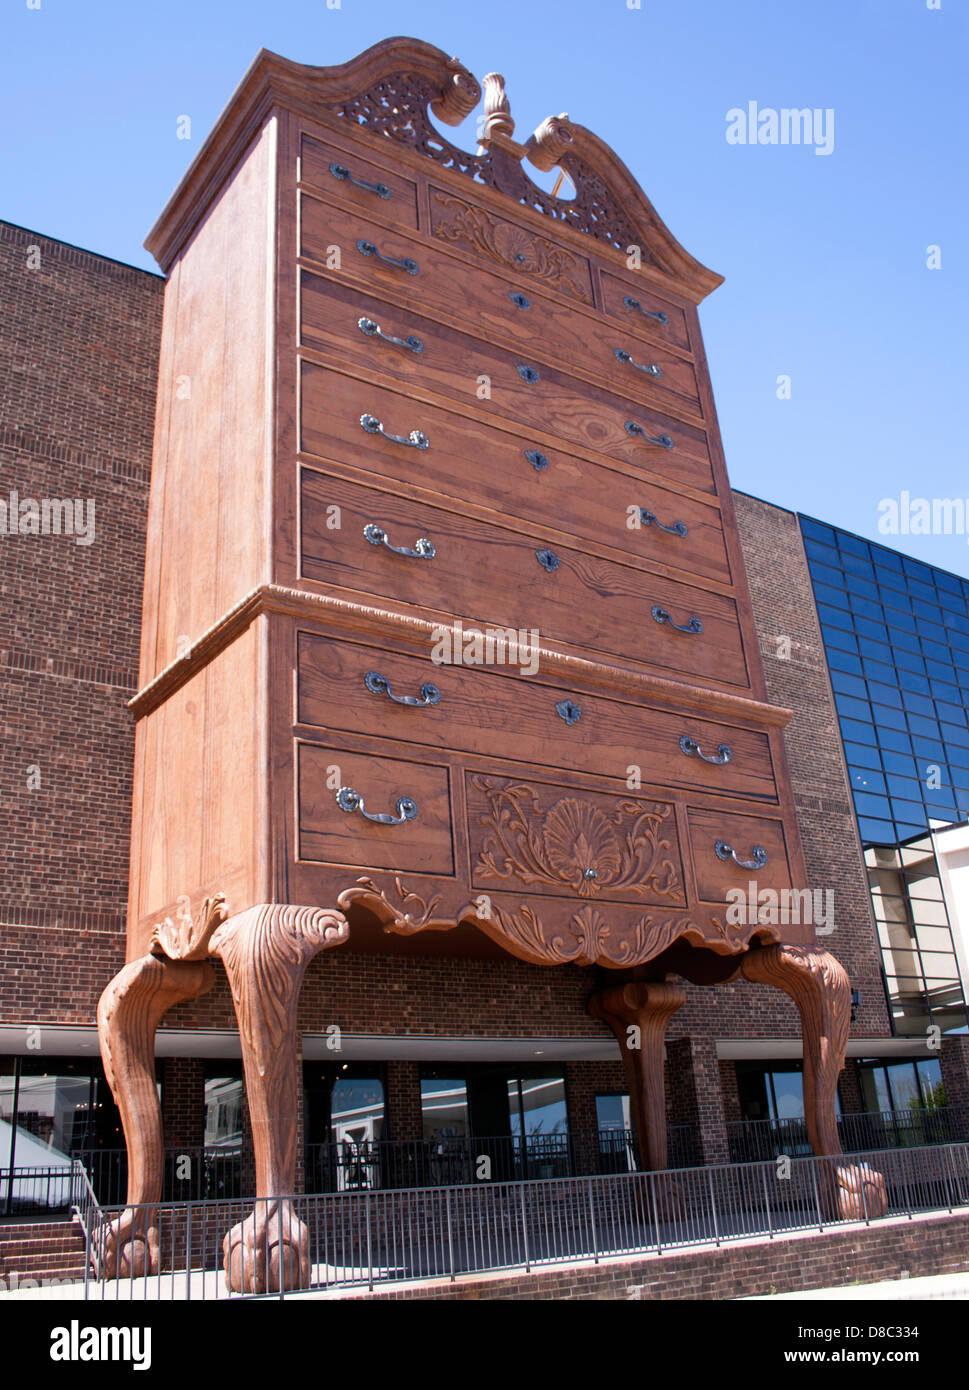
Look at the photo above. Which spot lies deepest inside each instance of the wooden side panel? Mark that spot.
(206, 534)
(199, 779)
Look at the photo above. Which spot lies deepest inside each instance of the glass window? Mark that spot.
(838, 637)
(856, 566)
(953, 734)
(827, 554)
(853, 545)
(847, 684)
(865, 779)
(537, 1105)
(863, 604)
(912, 811)
(854, 731)
(833, 615)
(816, 530)
(854, 709)
(444, 1107)
(885, 694)
(889, 718)
(357, 1109)
(844, 661)
(906, 661)
(824, 574)
(612, 1112)
(894, 740)
(824, 593)
(905, 787)
(927, 728)
(897, 762)
(879, 832)
(857, 755)
(224, 1099)
(930, 1082)
(876, 632)
(872, 805)
(786, 1095)
(877, 671)
(875, 651)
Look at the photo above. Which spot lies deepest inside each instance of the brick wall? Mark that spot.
(929, 1245)
(78, 351)
(783, 603)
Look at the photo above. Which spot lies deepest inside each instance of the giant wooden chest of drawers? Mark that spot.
(447, 635)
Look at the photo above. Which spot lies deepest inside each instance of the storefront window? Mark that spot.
(444, 1106)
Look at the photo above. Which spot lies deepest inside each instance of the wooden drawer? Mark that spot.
(485, 710)
(329, 835)
(740, 833)
(645, 315)
(545, 327)
(390, 195)
(493, 574)
(553, 405)
(440, 359)
(570, 494)
(553, 841)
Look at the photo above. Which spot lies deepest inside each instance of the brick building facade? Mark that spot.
(79, 341)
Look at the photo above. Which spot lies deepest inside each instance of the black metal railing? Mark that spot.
(750, 1140)
(371, 1237)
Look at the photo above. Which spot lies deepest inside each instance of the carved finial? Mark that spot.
(459, 95)
(551, 140)
(497, 111)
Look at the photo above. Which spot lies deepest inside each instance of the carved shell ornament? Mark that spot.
(575, 844)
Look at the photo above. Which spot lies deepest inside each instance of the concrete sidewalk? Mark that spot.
(890, 1290)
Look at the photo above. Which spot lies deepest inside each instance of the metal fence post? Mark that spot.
(369, 1243)
(770, 1224)
(450, 1241)
(521, 1200)
(592, 1222)
(817, 1196)
(713, 1208)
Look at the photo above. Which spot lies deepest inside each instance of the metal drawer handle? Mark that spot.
(547, 559)
(661, 616)
(341, 172)
(348, 800)
(520, 301)
(723, 851)
(367, 248)
(663, 440)
(537, 459)
(648, 518)
(690, 746)
(650, 368)
(528, 373)
(417, 439)
(569, 712)
(380, 685)
(423, 548)
(373, 330)
(656, 314)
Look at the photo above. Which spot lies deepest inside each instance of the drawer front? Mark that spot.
(553, 486)
(635, 305)
(455, 364)
(484, 233)
(386, 193)
(329, 413)
(554, 841)
(542, 326)
(477, 709)
(330, 835)
(490, 574)
(743, 835)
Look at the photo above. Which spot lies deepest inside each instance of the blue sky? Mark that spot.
(824, 255)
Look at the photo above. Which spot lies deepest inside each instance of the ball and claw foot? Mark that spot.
(129, 1247)
(271, 1243)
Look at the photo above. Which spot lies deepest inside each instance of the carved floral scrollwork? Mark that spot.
(575, 844)
(413, 918)
(396, 107)
(474, 229)
(589, 938)
(188, 937)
